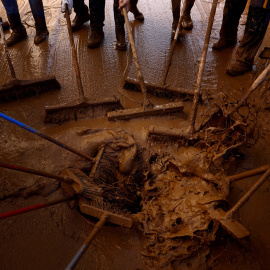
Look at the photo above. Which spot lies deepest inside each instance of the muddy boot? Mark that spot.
(187, 22)
(224, 44)
(238, 68)
(120, 39)
(41, 35)
(18, 34)
(137, 14)
(78, 21)
(96, 36)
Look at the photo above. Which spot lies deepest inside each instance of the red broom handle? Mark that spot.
(34, 207)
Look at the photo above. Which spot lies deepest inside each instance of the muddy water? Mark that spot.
(47, 239)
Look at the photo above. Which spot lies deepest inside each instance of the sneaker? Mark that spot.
(120, 39)
(17, 35)
(187, 22)
(137, 14)
(96, 37)
(238, 68)
(41, 35)
(223, 44)
(78, 22)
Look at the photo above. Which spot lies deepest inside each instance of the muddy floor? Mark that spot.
(48, 238)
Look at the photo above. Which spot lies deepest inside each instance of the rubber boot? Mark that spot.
(120, 39)
(96, 36)
(187, 22)
(256, 26)
(137, 14)
(232, 12)
(79, 21)
(18, 34)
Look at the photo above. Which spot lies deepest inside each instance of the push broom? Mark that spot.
(163, 89)
(82, 108)
(23, 88)
(147, 109)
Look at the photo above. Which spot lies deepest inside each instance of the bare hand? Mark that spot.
(124, 3)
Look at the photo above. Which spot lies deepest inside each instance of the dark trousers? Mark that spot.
(13, 14)
(176, 8)
(97, 12)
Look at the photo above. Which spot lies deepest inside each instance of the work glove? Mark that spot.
(69, 3)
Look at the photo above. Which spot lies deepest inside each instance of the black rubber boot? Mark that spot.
(41, 35)
(18, 34)
(120, 39)
(96, 36)
(137, 14)
(79, 21)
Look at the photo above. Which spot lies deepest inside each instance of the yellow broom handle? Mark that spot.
(265, 3)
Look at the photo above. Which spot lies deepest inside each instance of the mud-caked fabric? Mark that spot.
(13, 14)
(232, 12)
(256, 26)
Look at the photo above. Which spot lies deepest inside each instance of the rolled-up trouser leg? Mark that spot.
(13, 14)
(232, 12)
(38, 14)
(256, 26)
(80, 8)
(97, 12)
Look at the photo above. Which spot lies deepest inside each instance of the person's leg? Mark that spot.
(18, 30)
(82, 15)
(40, 22)
(97, 17)
(119, 27)
(187, 21)
(232, 12)
(137, 14)
(176, 15)
(256, 26)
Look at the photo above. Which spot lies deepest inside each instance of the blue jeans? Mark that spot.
(13, 14)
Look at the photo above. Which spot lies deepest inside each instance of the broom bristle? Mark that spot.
(18, 89)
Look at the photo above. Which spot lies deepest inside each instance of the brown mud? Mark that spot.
(48, 238)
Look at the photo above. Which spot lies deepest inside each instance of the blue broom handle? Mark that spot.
(46, 137)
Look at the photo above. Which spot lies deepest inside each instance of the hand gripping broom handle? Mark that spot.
(7, 52)
(75, 59)
(16, 122)
(191, 128)
(134, 52)
(87, 242)
(33, 207)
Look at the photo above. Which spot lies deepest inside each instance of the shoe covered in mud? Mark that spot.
(187, 22)
(137, 14)
(78, 22)
(174, 27)
(5, 26)
(18, 34)
(238, 68)
(41, 35)
(120, 39)
(96, 37)
(223, 44)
